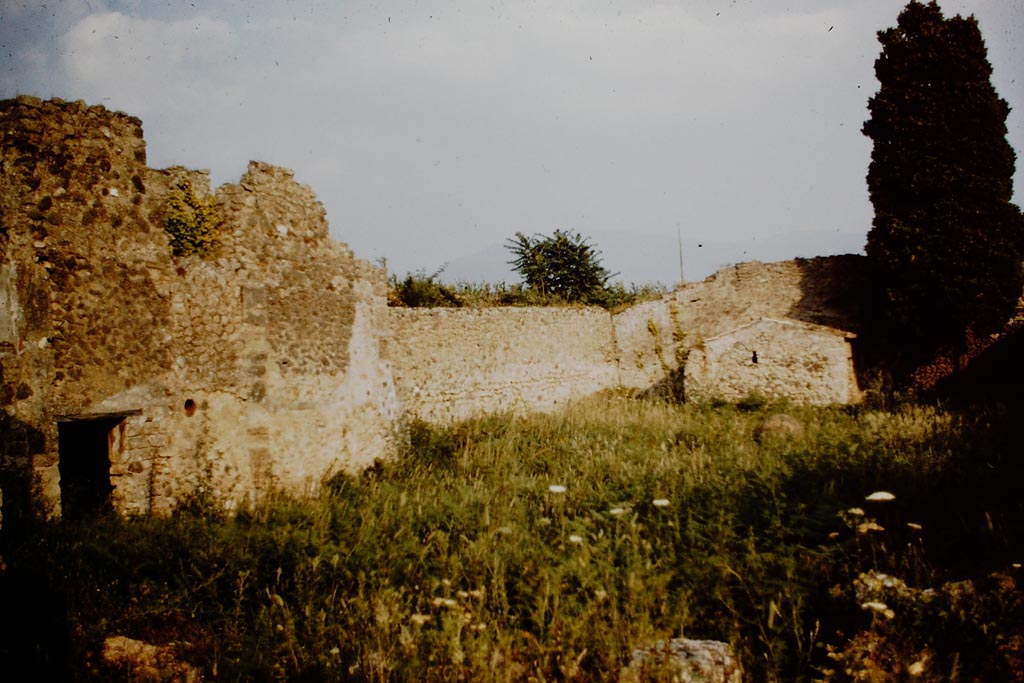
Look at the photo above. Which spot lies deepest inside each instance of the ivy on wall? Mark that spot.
(193, 222)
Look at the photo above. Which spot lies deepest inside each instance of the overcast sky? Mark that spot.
(431, 130)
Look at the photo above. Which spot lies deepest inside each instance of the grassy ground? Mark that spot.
(548, 547)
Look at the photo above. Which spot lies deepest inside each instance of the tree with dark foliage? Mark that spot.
(564, 265)
(946, 244)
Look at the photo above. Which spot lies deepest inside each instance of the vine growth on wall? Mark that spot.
(193, 222)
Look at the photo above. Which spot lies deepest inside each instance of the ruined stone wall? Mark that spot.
(259, 367)
(822, 290)
(776, 359)
(453, 363)
(655, 338)
(277, 360)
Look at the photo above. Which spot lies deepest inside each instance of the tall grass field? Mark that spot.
(550, 547)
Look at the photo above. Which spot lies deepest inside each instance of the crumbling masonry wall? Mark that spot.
(277, 360)
(775, 359)
(656, 338)
(453, 363)
(258, 368)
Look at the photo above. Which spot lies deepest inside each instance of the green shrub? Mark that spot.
(419, 290)
(192, 222)
(422, 290)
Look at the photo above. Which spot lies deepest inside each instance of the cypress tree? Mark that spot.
(946, 243)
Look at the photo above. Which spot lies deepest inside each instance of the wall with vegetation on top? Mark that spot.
(257, 366)
(250, 351)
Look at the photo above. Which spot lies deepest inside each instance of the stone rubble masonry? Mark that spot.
(277, 361)
(255, 369)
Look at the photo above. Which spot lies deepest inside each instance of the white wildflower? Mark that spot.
(615, 512)
(917, 668)
(881, 497)
(866, 527)
(556, 488)
(878, 608)
(574, 538)
(660, 502)
(443, 602)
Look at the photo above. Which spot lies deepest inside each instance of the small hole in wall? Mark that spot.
(753, 358)
(190, 407)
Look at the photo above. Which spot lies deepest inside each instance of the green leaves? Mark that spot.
(946, 242)
(565, 265)
(192, 222)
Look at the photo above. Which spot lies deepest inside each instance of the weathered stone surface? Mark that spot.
(452, 363)
(271, 346)
(682, 660)
(776, 358)
(659, 337)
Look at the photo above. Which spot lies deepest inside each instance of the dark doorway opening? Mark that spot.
(84, 445)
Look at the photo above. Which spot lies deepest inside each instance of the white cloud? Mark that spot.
(433, 128)
(148, 65)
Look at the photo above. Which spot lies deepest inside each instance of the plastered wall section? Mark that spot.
(258, 368)
(655, 338)
(451, 363)
(807, 363)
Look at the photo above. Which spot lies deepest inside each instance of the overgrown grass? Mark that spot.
(466, 560)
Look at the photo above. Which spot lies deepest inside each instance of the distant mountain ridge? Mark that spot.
(652, 259)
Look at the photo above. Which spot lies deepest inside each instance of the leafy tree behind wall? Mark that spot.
(946, 243)
(563, 264)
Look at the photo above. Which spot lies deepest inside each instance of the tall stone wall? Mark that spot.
(452, 363)
(258, 368)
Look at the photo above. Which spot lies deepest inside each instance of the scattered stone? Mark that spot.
(682, 660)
(780, 427)
(148, 663)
